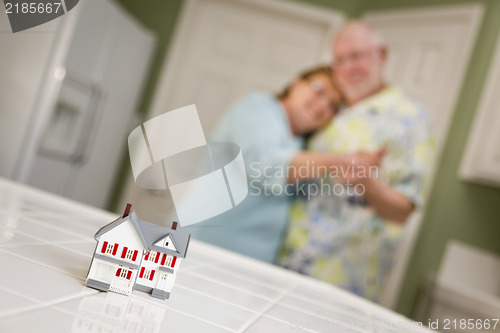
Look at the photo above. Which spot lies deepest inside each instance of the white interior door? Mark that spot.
(428, 54)
(429, 51)
(225, 49)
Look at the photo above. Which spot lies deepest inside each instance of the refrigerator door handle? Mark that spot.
(93, 113)
(74, 118)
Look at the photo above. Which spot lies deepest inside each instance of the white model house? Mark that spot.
(134, 254)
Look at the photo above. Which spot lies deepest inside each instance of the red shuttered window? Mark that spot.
(124, 252)
(109, 248)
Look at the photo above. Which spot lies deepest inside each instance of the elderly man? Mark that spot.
(350, 237)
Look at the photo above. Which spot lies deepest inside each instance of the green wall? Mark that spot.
(456, 210)
(160, 16)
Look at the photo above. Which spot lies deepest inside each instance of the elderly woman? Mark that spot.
(270, 131)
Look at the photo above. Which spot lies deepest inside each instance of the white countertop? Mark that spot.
(46, 245)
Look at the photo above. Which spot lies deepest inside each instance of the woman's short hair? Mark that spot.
(306, 75)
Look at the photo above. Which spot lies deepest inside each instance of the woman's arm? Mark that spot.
(308, 165)
(347, 167)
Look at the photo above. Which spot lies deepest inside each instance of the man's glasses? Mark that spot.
(354, 57)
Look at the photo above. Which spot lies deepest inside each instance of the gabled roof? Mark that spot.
(171, 246)
(150, 233)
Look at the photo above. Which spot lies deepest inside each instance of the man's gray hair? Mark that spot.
(376, 36)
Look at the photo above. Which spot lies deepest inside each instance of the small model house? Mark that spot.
(134, 254)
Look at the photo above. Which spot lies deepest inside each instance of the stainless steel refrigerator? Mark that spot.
(69, 93)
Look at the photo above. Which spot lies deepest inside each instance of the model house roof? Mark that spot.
(150, 233)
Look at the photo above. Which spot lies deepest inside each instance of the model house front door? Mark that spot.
(162, 281)
(122, 282)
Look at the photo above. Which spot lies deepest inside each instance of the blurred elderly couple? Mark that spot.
(335, 220)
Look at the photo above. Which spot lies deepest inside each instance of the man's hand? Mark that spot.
(355, 168)
(362, 168)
